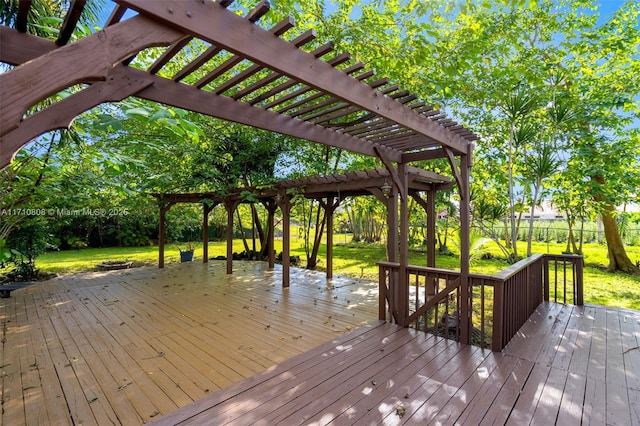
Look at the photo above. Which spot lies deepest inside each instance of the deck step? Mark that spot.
(6, 289)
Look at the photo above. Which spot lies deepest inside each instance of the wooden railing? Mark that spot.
(499, 304)
(564, 278)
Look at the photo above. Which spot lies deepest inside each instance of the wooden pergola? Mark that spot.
(330, 191)
(236, 71)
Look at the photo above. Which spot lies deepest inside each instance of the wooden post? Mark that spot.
(579, 277)
(162, 233)
(392, 226)
(431, 228)
(382, 293)
(271, 209)
(498, 316)
(403, 285)
(329, 215)
(206, 209)
(466, 291)
(545, 279)
(285, 206)
(231, 208)
(392, 250)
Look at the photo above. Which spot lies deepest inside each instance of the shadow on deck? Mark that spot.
(192, 345)
(567, 365)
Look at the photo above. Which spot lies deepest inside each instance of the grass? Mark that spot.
(359, 260)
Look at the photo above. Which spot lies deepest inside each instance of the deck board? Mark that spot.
(191, 345)
(125, 347)
(500, 409)
(572, 402)
(634, 406)
(476, 409)
(454, 408)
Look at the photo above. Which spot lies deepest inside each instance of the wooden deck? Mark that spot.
(130, 347)
(567, 366)
(124, 347)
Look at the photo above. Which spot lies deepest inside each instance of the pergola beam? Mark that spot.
(17, 48)
(191, 98)
(172, 93)
(60, 115)
(23, 14)
(236, 34)
(70, 21)
(93, 58)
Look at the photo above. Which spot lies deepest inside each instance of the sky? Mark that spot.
(607, 8)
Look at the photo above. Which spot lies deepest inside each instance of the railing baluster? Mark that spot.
(562, 298)
(555, 284)
(482, 310)
(458, 316)
(436, 313)
(417, 286)
(515, 294)
(425, 317)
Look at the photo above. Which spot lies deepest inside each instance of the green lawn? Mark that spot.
(359, 260)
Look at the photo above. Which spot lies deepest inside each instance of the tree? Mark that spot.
(517, 108)
(605, 65)
(541, 81)
(42, 12)
(471, 57)
(542, 167)
(483, 53)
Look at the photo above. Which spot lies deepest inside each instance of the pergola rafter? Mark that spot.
(330, 191)
(239, 72)
(281, 89)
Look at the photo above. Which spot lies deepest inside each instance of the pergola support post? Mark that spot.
(330, 208)
(465, 284)
(231, 208)
(403, 285)
(206, 209)
(162, 232)
(392, 247)
(285, 206)
(461, 175)
(271, 210)
(431, 228)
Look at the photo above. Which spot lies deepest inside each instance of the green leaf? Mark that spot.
(133, 112)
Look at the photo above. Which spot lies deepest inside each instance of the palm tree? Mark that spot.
(42, 11)
(544, 165)
(516, 108)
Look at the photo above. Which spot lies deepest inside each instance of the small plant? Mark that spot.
(76, 243)
(188, 247)
(478, 245)
(27, 242)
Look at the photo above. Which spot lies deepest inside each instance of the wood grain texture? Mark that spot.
(93, 57)
(189, 344)
(125, 347)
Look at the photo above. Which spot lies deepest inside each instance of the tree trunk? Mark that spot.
(618, 258)
(262, 236)
(536, 190)
(244, 239)
(312, 262)
(581, 236)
